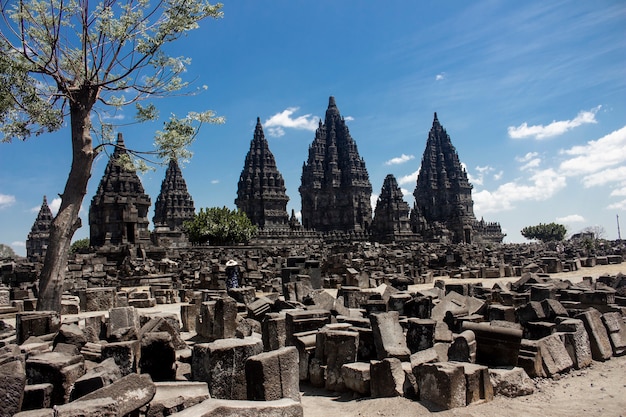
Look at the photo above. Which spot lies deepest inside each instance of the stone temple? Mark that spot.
(391, 216)
(172, 208)
(261, 188)
(37, 241)
(444, 208)
(335, 188)
(118, 214)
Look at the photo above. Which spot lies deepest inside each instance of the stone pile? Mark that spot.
(242, 351)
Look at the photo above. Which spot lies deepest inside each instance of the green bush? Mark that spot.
(545, 232)
(219, 226)
(80, 245)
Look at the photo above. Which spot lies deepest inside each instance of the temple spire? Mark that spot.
(261, 188)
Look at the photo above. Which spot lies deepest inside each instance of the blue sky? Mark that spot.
(532, 94)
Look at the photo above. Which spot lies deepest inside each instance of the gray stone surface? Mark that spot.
(511, 382)
(130, 392)
(601, 349)
(442, 384)
(386, 378)
(222, 365)
(273, 375)
(285, 407)
(389, 338)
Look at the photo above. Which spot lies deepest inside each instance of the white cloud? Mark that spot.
(6, 200)
(571, 218)
(276, 132)
(373, 201)
(619, 192)
(440, 76)
(482, 171)
(279, 121)
(347, 119)
(215, 181)
(498, 176)
(596, 155)
(555, 128)
(543, 185)
(400, 159)
(19, 243)
(604, 177)
(409, 179)
(406, 192)
(620, 205)
(529, 156)
(533, 163)
(55, 204)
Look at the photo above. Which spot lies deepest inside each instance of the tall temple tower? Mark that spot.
(443, 195)
(261, 188)
(391, 216)
(335, 186)
(172, 208)
(118, 214)
(37, 241)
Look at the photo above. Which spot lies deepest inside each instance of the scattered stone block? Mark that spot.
(225, 408)
(555, 357)
(273, 375)
(298, 321)
(442, 384)
(305, 344)
(336, 348)
(98, 407)
(478, 387)
(511, 382)
(37, 396)
(71, 334)
(576, 341)
(616, 329)
(97, 299)
(463, 348)
(12, 383)
(530, 359)
(389, 338)
(601, 349)
(59, 369)
(172, 397)
(130, 393)
(36, 323)
(221, 364)
(125, 354)
(158, 356)
(495, 345)
(386, 378)
(356, 377)
(123, 324)
(274, 333)
(97, 377)
(420, 334)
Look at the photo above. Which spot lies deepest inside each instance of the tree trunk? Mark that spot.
(67, 221)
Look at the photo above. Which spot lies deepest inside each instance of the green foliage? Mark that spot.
(79, 245)
(219, 226)
(7, 252)
(545, 232)
(99, 55)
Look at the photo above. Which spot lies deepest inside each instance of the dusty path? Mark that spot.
(597, 391)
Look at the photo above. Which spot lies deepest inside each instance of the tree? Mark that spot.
(74, 58)
(219, 226)
(7, 252)
(79, 245)
(545, 232)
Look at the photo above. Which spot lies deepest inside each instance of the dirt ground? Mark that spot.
(596, 391)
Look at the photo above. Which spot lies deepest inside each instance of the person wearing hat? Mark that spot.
(232, 274)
